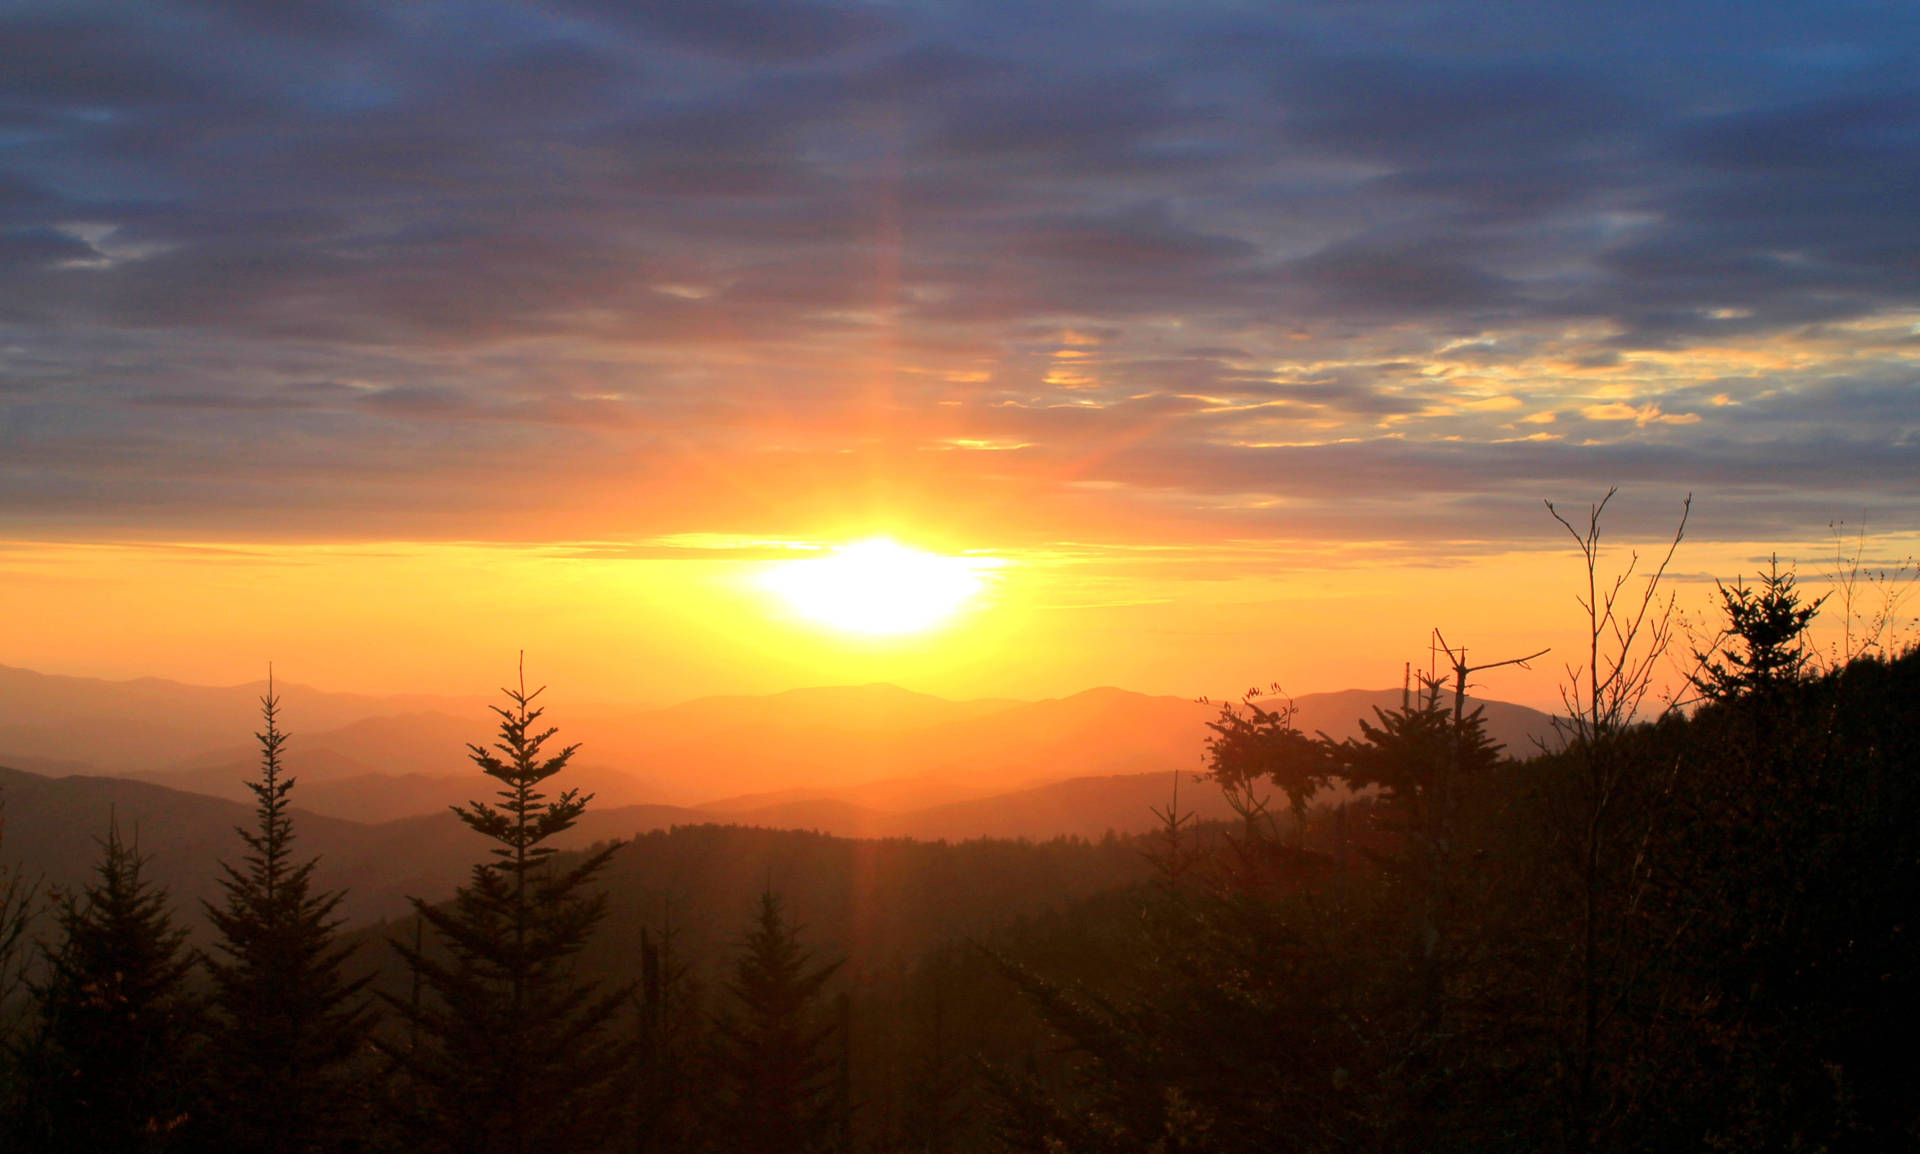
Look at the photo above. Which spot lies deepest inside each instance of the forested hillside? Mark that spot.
(1686, 933)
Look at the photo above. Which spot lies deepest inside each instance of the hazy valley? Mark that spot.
(376, 776)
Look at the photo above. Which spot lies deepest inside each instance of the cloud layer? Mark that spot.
(1064, 271)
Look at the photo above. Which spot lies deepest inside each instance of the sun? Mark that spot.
(878, 586)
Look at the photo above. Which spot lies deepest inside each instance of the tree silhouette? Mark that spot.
(111, 1064)
(1628, 633)
(774, 1058)
(666, 1040)
(1251, 743)
(514, 1051)
(286, 1021)
(1763, 645)
(938, 1086)
(17, 907)
(1412, 752)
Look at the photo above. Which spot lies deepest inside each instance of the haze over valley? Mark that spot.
(171, 761)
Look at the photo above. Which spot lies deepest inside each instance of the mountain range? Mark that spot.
(874, 749)
(375, 776)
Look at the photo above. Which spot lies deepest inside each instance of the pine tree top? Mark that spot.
(775, 979)
(508, 1048)
(1763, 645)
(120, 927)
(524, 817)
(287, 1020)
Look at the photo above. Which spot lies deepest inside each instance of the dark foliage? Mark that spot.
(1764, 642)
(940, 1087)
(512, 1051)
(1286, 996)
(18, 897)
(1720, 965)
(1694, 934)
(666, 1047)
(776, 1060)
(113, 1064)
(1784, 873)
(286, 1023)
(1252, 743)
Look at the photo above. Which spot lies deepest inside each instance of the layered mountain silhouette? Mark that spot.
(150, 723)
(54, 825)
(876, 752)
(376, 776)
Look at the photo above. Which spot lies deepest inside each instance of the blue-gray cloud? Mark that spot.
(327, 262)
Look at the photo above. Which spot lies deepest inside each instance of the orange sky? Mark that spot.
(1243, 340)
(692, 617)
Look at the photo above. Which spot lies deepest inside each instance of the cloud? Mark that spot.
(1641, 415)
(762, 31)
(815, 244)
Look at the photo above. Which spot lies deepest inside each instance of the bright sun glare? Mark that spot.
(877, 586)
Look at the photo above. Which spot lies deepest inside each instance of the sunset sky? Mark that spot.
(1225, 343)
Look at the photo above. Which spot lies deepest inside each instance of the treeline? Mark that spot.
(1691, 933)
(519, 1014)
(486, 1035)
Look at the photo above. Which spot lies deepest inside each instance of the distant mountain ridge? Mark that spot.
(385, 836)
(53, 826)
(1519, 730)
(877, 747)
(150, 723)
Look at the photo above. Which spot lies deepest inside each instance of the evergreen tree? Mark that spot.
(17, 896)
(514, 1051)
(1767, 626)
(286, 1022)
(938, 1086)
(1280, 998)
(666, 1038)
(17, 904)
(112, 1065)
(774, 1055)
(1419, 757)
